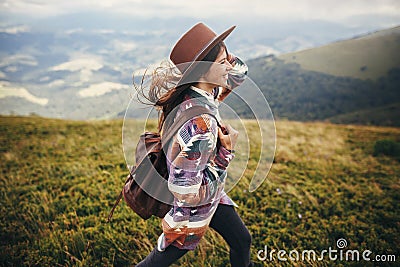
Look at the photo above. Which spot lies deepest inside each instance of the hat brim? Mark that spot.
(202, 54)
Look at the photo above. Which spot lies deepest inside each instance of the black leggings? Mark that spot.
(229, 225)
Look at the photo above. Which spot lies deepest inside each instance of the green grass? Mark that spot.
(60, 178)
(367, 57)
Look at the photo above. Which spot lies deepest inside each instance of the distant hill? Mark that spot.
(87, 74)
(385, 115)
(366, 57)
(344, 82)
(297, 94)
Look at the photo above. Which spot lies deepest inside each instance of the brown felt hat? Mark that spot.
(194, 45)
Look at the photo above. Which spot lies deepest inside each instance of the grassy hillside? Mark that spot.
(366, 57)
(385, 115)
(303, 95)
(59, 180)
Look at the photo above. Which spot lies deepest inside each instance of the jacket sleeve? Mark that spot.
(235, 77)
(197, 165)
(238, 73)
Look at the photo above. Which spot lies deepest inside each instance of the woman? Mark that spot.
(200, 151)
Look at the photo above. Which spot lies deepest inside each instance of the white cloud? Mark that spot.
(11, 69)
(44, 79)
(20, 59)
(256, 51)
(15, 29)
(75, 30)
(324, 10)
(101, 89)
(7, 90)
(84, 64)
(150, 68)
(123, 46)
(104, 31)
(2, 75)
(56, 83)
(79, 64)
(284, 9)
(293, 43)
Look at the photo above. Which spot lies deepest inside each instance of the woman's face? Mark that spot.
(219, 69)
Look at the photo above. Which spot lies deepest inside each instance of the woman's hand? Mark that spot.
(228, 137)
(231, 59)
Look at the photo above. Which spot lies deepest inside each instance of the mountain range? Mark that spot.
(351, 81)
(52, 70)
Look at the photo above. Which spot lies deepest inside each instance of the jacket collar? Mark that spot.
(204, 96)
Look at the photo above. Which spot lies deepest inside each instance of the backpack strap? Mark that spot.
(177, 124)
(119, 196)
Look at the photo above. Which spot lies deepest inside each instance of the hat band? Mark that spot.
(204, 48)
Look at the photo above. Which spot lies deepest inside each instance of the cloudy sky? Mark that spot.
(381, 13)
(93, 46)
(291, 24)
